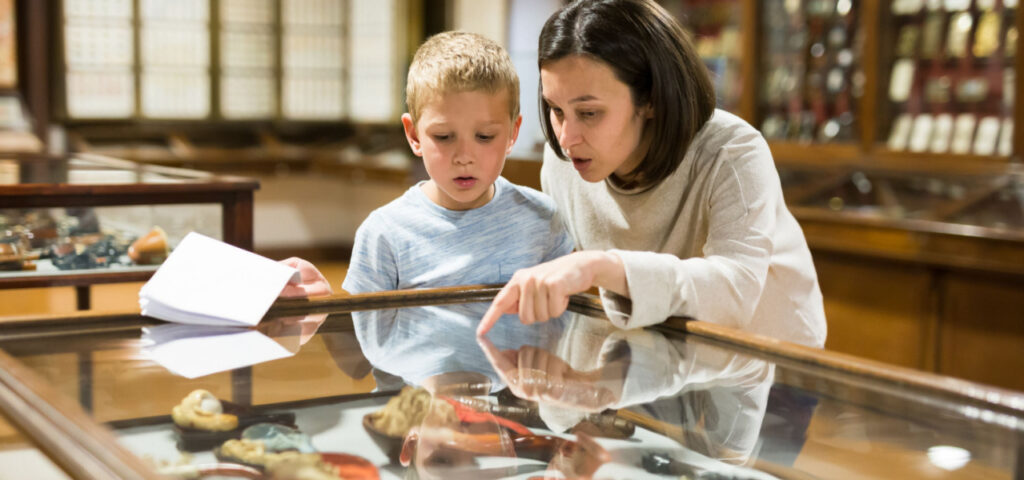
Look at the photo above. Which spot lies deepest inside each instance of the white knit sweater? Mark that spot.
(714, 241)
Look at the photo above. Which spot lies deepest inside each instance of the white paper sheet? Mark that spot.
(208, 282)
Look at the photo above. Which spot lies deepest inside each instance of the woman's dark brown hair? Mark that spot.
(649, 52)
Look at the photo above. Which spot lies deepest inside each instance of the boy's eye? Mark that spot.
(485, 138)
(441, 138)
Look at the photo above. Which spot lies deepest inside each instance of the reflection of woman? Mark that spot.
(676, 206)
(717, 397)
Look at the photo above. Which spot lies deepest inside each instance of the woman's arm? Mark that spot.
(542, 292)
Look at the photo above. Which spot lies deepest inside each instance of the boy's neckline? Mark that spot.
(498, 187)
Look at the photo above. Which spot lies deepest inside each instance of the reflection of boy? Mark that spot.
(466, 225)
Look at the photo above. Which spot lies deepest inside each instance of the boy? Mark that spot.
(466, 225)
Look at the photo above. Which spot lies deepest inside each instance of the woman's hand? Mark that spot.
(542, 292)
(312, 283)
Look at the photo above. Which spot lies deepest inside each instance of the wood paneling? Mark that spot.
(983, 329)
(875, 309)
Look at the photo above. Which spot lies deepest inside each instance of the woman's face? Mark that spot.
(594, 118)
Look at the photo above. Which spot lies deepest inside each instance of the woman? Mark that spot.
(676, 207)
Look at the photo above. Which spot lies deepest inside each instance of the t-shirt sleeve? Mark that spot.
(373, 266)
(725, 284)
(560, 241)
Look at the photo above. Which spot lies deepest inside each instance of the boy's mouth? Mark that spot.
(465, 182)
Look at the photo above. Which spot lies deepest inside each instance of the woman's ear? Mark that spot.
(647, 111)
(411, 135)
(515, 134)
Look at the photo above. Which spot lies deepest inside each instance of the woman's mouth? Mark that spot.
(465, 182)
(581, 164)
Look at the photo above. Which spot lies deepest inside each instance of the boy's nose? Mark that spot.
(462, 157)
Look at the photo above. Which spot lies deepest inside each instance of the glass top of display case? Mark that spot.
(26, 170)
(989, 201)
(412, 392)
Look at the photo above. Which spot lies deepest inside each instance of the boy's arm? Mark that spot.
(312, 283)
(561, 243)
(373, 267)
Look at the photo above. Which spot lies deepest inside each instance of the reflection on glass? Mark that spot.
(194, 351)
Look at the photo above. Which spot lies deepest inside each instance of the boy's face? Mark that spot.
(463, 138)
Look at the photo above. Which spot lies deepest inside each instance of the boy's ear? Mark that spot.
(411, 135)
(515, 134)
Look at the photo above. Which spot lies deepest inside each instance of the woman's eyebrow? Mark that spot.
(581, 98)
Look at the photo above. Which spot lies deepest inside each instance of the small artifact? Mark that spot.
(294, 465)
(87, 252)
(201, 410)
(151, 248)
(203, 422)
(403, 411)
(279, 438)
(389, 425)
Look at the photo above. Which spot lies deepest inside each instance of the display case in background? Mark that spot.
(951, 78)
(717, 27)
(574, 397)
(85, 219)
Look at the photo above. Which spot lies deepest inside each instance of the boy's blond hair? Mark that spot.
(452, 62)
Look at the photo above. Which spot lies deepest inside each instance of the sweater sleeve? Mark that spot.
(725, 284)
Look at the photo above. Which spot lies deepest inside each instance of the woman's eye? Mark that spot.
(557, 112)
(587, 114)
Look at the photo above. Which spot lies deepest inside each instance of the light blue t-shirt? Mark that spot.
(414, 243)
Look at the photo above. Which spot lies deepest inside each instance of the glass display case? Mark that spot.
(811, 72)
(397, 385)
(85, 219)
(717, 30)
(951, 77)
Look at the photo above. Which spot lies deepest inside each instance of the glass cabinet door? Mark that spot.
(811, 77)
(950, 77)
(385, 393)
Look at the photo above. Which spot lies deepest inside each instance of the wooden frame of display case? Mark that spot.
(78, 444)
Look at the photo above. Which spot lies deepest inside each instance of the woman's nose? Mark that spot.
(568, 134)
